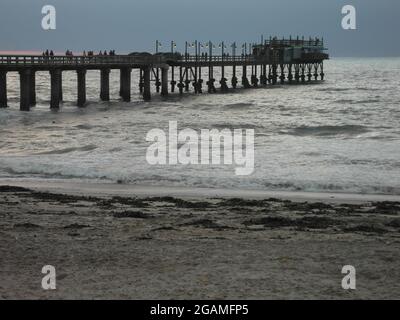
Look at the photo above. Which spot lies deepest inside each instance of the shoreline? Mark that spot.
(126, 190)
(121, 246)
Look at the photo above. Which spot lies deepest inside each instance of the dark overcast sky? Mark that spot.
(133, 25)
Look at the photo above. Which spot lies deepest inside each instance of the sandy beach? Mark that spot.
(115, 242)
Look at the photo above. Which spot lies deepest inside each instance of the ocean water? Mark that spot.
(342, 135)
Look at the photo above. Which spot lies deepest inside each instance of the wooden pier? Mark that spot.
(268, 63)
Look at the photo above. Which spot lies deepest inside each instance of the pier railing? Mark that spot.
(21, 61)
(293, 42)
(39, 60)
(227, 58)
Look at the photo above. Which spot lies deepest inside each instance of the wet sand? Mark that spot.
(121, 243)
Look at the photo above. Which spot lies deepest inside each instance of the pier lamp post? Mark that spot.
(173, 46)
(244, 49)
(223, 47)
(224, 87)
(191, 45)
(196, 48)
(210, 47)
(250, 48)
(234, 49)
(158, 44)
(200, 46)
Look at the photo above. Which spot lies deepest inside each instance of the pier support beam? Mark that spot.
(180, 84)
(173, 82)
(61, 87)
(55, 84)
(211, 81)
(105, 84)
(254, 79)
(315, 71)
(146, 84)
(199, 82)
(81, 87)
(126, 84)
(303, 76)
(158, 82)
(263, 77)
(297, 73)
(309, 72)
(211, 85)
(290, 74)
(282, 76)
(274, 74)
(187, 81)
(234, 79)
(322, 74)
(32, 89)
(3, 89)
(224, 86)
(245, 81)
(25, 81)
(164, 82)
(140, 80)
(120, 83)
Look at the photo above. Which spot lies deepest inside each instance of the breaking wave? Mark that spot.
(323, 131)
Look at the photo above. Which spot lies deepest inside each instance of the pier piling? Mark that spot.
(32, 89)
(105, 84)
(173, 82)
(25, 80)
(61, 86)
(126, 84)
(120, 83)
(3, 89)
(180, 84)
(81, 87)
(146, 84)
(245, 81)
(164, 81)
(55, 85)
